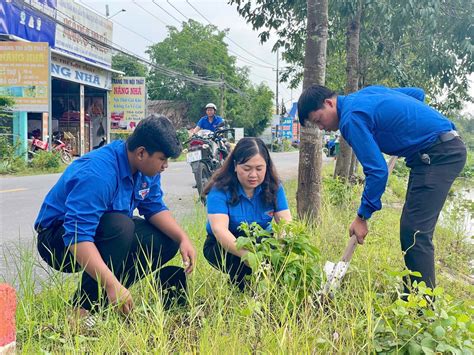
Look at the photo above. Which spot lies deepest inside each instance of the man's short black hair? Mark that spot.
(155, 134)
(312, 99)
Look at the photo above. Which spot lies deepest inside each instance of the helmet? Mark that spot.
(211, 105)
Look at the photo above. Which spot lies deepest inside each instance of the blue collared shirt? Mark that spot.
(378, 120)
(211, 126)
(100, 181)
(246, 209)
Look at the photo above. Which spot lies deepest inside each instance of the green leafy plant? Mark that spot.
(422, 326)
(10, 161)
(182, 135)
(339, 193)
(44, 160)
(284, 260)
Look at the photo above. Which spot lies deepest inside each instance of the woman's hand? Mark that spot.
(188, 253)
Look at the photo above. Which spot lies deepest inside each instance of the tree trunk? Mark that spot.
(354, 164)
(343, 161)
(308, 196)
(343, 164)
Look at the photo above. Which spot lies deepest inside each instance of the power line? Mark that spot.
(115, 47)
(230, 39)
(240, 57)
(162, 8)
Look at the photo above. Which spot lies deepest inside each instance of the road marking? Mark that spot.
(13, 190)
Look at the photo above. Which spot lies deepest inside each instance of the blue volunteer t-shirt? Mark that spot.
(248, 210)
(100, 181)
(211, 126)
(378, 120)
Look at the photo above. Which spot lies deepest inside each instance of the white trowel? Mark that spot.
(336, 271)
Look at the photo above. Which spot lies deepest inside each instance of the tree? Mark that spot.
(129, 65)
(288, 18)
(6, 104)
(345, 164)
(194, 66)
(308, 196)
(425, 43)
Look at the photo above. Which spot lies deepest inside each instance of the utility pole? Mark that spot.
(222, 95)
(276, 98)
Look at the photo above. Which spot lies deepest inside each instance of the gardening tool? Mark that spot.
(336, 271)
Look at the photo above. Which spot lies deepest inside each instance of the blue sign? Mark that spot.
(28, 24)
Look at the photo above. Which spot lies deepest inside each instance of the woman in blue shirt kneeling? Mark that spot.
(245, 189)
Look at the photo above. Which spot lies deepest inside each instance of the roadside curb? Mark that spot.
(7, 319)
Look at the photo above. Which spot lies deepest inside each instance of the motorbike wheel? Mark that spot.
(202, 176)
(66, 157)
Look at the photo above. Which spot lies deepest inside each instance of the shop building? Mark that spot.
(80, 73)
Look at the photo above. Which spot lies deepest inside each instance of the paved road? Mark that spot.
(21, 197)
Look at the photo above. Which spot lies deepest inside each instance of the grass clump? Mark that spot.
(366, 314)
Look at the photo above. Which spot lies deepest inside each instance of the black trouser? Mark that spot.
(226, 262)
(131, 248)
(428, 187)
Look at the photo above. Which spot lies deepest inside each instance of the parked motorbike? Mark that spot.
(36, 144)
(207, 152)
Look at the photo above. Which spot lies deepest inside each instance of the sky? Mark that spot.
(144, 23)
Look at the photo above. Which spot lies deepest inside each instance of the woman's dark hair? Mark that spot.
(155, 134)
(226, 178)
(312, 99)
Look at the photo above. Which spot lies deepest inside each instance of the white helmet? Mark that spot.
(211, 105)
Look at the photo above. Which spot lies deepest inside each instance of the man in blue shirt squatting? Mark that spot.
(86, 220)
(378, 120)
(210, 121)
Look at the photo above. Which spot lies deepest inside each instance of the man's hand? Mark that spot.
(188, 253)
(118, 295)
(359, 229)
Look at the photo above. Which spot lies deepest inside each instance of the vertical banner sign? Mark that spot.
(24, 75)
(126, 103)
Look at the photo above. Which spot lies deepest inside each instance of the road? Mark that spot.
(21, 198)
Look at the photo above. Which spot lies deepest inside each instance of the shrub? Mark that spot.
(421, 326)
(182, 135)
(44, 160)
(10, 161)
(338, 192)
(283, 261)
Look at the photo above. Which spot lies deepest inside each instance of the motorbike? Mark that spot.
(207, 152)
(35, 144)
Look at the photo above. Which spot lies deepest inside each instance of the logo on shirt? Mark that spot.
(270, 213)
(143, 193)
(143, 185)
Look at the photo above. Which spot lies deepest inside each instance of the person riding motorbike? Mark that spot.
(211, 121)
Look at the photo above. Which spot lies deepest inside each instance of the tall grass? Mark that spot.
(220, 319)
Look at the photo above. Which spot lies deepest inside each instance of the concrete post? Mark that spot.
(7, 319)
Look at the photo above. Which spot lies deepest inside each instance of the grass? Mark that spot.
(362, 318)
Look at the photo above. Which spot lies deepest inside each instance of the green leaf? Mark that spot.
(439, 331)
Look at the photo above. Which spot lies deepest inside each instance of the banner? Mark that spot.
(24, 75)
(33, 25)
(28, 24)
(89, 23)
(127, 103)
(78, 72)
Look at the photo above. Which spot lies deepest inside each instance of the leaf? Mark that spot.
(414, 348)
(439, 331)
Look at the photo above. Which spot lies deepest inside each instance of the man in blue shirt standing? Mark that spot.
(210, 121)
(378, 120)
(86, 220)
